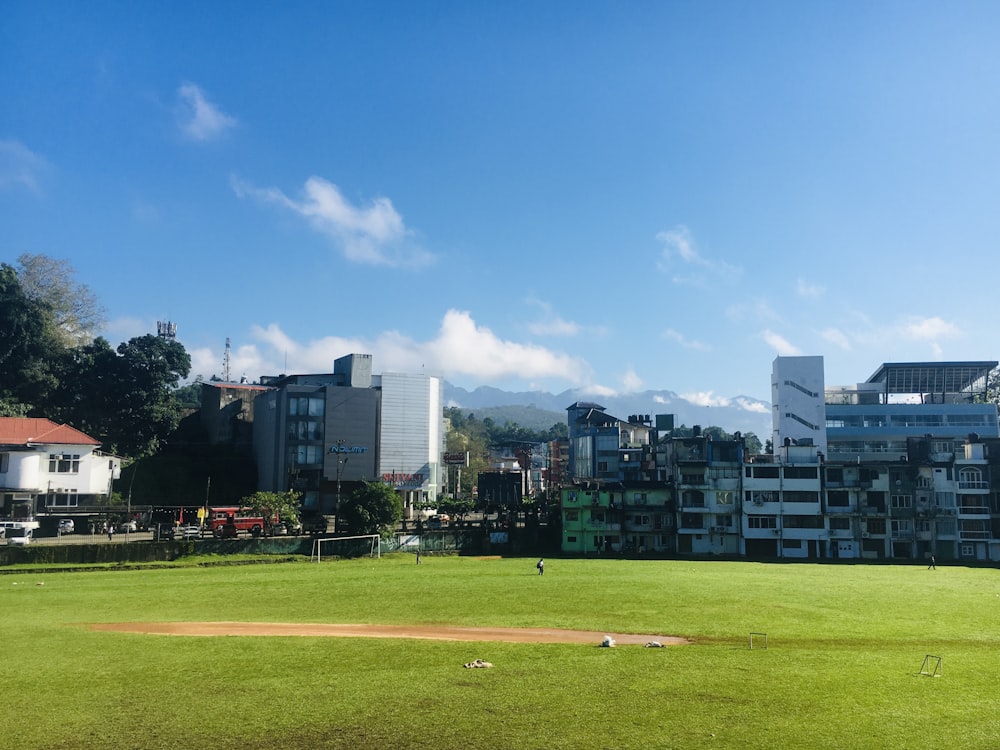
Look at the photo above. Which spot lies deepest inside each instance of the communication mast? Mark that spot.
(166, 330)
(225, 362)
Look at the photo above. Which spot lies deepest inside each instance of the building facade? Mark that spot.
(906, 465)
(324, 434)
(49, 469)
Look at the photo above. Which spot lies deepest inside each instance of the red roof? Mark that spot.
(25, 431)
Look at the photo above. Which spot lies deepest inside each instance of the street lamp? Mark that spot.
(341, 460)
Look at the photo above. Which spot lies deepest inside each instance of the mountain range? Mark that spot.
(539, 410)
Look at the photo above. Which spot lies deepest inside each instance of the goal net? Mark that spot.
(346, 546)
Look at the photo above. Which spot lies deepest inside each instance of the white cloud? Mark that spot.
(755, 312)
(836, 337)
(929, 329)
(678, 245)
(631, 382)
(781, 345)
(460, 348)
(375, 235)
(671, 335)
(752, 406)
(20, 166)
(198, 118)
(805, 289)
(705, 398)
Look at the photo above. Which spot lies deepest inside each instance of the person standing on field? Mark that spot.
(541, 567)
(933, 565)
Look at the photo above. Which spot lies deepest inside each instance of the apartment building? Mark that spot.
(901, 467)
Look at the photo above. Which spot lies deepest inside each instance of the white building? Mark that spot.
(51, 468)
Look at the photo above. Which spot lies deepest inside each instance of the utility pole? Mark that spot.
(339, 448)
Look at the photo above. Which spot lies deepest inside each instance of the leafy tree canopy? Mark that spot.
(373, 508)
(286, 506)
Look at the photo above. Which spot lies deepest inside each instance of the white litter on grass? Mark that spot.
(478, 664)
(608, 642)
(654, 644)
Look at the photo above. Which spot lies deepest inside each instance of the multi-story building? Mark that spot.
(323, 434)
(903, 466)
(49, 468)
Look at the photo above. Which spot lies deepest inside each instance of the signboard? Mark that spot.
(457, 459)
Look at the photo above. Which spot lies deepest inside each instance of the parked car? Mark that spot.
(189, 532)
(439, 520)
(128, 527)
(66, 526)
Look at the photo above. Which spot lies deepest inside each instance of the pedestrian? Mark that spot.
(933, 565)
(541, 567)
(111, 531)
(418, 555)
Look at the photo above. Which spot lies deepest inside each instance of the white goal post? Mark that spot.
(351, 543)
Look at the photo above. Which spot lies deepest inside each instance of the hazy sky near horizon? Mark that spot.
(613, 195)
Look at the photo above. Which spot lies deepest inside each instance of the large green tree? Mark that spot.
(25, 347)
(373, 508)
(124, 398)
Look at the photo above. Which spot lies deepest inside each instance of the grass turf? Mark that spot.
(845, 645)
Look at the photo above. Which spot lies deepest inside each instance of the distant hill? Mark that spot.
(540, 410)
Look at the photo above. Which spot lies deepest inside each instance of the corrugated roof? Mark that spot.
(27, 430)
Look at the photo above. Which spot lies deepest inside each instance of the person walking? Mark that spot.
(933, 565)
(541, 567)
(418, 555)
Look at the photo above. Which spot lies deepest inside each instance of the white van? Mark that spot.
(19, 533)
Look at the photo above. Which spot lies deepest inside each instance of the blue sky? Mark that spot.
(613, 195)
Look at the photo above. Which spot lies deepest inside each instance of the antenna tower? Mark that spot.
(225, 362)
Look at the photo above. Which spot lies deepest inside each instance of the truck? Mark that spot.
(228, 522)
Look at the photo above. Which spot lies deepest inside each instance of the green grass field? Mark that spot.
(846, 643)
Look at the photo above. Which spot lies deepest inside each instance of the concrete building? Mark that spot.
(48, 468)
(323, 434)
(901, 467)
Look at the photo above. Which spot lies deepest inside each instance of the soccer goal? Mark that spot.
(931, 666)
(346, 546)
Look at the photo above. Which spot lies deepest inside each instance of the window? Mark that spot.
(759, 497)
(61, 499)
(944, 499)
(724, 498)
(800, 472)
(804, 522)
(639, 498)
(724, 520)
(838, 523)
(64, 463)
(640, 520)
(875, 526)
(901, 501)
(691, 478)
(762, 522)
(839, 498)
(305, 454)
(572, 515)
(306, 406)
(793, 496)
(571, 539)
(902, 527)
(4, 462)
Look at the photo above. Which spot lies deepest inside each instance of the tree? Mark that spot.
(373, 508)
(124, 398)
(74, 314)
(25, 347)
(285, 506)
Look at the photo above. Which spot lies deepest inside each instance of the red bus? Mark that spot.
(230, 521)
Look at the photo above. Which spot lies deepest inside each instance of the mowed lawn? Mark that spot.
(845, 645)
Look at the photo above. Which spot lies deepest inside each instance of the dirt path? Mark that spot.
(440, 633)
